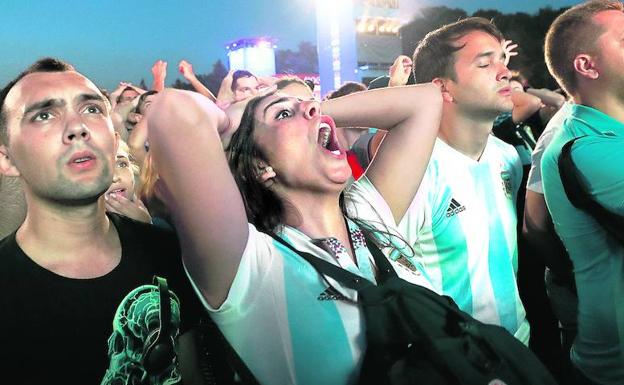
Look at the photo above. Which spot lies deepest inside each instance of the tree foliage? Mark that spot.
(304, 60)
(526, 30)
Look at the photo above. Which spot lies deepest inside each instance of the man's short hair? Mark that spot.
(347, 88)
(240, 74)
(47, 64)
(434, 56)
(574, 32)
(141, 101)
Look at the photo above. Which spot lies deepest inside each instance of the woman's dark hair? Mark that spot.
(264, 208)
(138, 109)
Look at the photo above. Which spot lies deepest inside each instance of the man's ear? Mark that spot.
(585, 66)
(6, 165)
(133, 117)
(446, 95)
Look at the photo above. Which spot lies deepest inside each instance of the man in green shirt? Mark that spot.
(585, 53)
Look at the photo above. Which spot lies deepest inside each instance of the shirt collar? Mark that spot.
(597, 120)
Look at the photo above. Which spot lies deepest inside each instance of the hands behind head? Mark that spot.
(226, 97)
(266, 81)
(124, 206)
(400, 71)
(234, 112)
(509, 50)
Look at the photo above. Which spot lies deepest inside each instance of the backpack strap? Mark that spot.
(323, 267)
(231, 356)
(580, 198)
(345, 277)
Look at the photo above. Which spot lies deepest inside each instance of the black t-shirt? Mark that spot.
(55, 329)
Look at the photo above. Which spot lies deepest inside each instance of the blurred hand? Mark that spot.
(400, 71)
(159, 69)
(186, 69)
(117, 91)
(509, 50)
(225, 96)
(266, 81)
(124, 206)
(234, 112)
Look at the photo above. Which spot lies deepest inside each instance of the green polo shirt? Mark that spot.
(598, 259)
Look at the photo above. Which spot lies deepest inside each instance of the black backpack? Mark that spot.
(416, 336)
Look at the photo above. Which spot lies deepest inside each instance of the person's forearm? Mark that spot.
(202, 89)
(525, 105)
(136, 142)
(548, 97)
(158, 84)
(381, 108)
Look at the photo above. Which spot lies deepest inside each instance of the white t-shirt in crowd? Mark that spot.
(284, 321)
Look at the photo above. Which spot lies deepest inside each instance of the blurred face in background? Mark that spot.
(123, 176)
(246, 87)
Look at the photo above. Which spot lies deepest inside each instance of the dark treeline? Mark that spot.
(528, 30)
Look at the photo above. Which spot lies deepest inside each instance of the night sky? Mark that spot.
(118, 40)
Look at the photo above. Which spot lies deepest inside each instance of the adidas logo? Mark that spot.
(330, 294)
(454, 208)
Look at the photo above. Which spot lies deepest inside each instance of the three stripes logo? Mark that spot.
(454, 208)
(330, 294)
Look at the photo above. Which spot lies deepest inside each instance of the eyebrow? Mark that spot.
(87, 97)
(48, 103)
(487, 54)
(276, 101)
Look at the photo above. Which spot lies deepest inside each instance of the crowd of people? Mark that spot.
(451, 166)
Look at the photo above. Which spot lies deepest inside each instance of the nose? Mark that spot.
(75, 129)
(311, 108)
(503, 73)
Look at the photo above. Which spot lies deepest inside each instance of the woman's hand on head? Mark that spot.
(234, 113)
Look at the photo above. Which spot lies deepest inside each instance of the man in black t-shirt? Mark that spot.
(67, 268)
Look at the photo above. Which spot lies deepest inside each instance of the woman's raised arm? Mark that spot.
(411, 115)
(199, 189)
